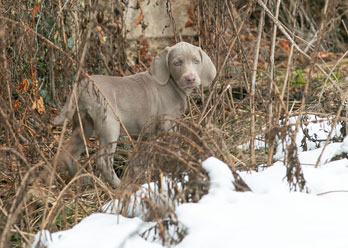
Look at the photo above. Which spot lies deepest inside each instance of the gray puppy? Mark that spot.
(136, 100)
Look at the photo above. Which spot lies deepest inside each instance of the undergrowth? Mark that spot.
(46, 47)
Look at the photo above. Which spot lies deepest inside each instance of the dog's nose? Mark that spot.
(191, 79)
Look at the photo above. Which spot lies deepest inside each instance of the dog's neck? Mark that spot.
(180, 93)
(175, 101)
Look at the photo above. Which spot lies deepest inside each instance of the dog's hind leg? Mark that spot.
(108, 135)
(75, 145)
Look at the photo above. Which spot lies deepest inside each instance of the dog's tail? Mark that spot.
(67, 112)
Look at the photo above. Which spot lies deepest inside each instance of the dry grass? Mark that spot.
(299, 69)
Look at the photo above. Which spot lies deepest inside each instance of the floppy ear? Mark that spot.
(159, 67)
(208, 70)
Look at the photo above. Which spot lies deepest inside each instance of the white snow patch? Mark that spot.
(312, 133)
(268, 216)
(99, 230)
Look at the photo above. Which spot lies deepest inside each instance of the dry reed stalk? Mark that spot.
(286, 78)
(61, 17)
(271, 121)
(253, 88)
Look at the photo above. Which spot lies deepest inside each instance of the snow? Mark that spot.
(311, 135)
(268, 216)
(220, 176)
(137, 207)
(99, 230)
(344, 145)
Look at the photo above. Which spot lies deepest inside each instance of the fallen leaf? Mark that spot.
(118, 23)
(23, 86)
(39, 105)
(188, 24)
(190, 11)
(99, 29)
(324, 54)
(36, 9)
(285, 44)
(16, 104)
(102, 37)
(140, 18)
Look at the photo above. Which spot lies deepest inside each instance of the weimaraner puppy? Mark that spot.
(136, 100)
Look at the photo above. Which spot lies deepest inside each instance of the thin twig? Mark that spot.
(253, 88)
(332, 191)
(270, 90)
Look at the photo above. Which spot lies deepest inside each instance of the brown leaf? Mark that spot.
(35, 9)
(118, 23)
(140, 18)
(190, 12)
(188, 24)
(101, 35)
(39, 105)
(285, 44)
(328, 55)
(16, 104)
(99, 29)
(23, 86)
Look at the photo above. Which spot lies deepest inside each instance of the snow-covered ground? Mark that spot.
(269, 216)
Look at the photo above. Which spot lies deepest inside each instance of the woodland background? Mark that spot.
(275, 59)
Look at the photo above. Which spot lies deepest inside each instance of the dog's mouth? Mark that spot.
(189, 87)
(188, 82)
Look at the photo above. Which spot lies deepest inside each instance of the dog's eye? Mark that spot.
(195, 61)
(178, 63)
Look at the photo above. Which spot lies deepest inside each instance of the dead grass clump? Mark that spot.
(165, 170)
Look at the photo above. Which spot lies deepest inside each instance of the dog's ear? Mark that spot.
(208, 70)
(159, 68)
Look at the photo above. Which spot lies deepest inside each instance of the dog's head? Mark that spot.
(188, 65)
